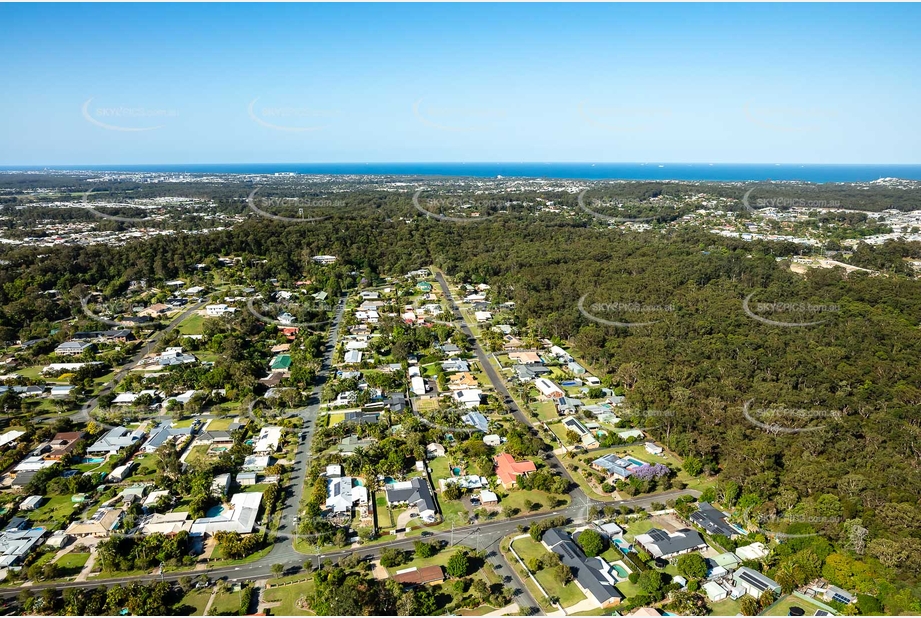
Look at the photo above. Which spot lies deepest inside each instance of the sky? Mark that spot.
(284, 83)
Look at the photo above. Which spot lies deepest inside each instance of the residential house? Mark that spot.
(256, 463)
(267, 441)
(508, 470)
(455, 365)
(654, 449)
(241, 517)
(115, 440)
(753, 582)
(526, 358)
(462, 381)
(434, 450)
(713, 520)
(163, 433)
(73, 348)
(593, 576)
(476, 420)
(488, 498)
(339, 494)
(548, 389)
(16, 545)
(101, 524)
(120, 473)
(492, 440)
(418, 385)
(415, 493)
(63, 443)
(31, 503)
(247, 479)
(834, 593)
(613, 465)
(661, 544)
(470, 398)
(220, 485)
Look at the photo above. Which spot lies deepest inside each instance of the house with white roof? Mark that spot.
(241, 517)
(267, 441)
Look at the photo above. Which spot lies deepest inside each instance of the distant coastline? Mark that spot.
(699, 172)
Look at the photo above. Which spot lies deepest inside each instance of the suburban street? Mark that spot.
(577, 494)
(484, 536)
(83, 416)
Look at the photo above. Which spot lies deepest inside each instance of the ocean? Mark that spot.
(585, 171)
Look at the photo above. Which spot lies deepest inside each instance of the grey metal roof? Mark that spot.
(585, 570)
(712, 520)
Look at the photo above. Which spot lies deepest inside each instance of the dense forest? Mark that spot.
(697, 358)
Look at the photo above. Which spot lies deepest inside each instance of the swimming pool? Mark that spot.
(219, 449)
(215, 511)
(621, 571)
(635, 461)
(95, 460)
(456, 471)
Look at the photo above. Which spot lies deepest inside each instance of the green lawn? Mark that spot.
(441, 468)
(54, 512)
(226, 603)
(528, 548)
(383, 515)
(517, 497)
(783, 605)
(288, 596)
(195, 600)
(220, 424)
(638, 527)
(568, 595)
(192, 325)
(726, 607)
(198, 453)
(335, 418)
(546, 411)
(72, 563)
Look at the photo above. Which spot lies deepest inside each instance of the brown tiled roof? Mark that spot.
(424, 575)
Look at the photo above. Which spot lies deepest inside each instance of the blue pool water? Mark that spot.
(95, 460)
(215, 511)
(456, 471)
(636, 461)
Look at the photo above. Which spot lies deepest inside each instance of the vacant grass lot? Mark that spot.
(54, 512)
(288, 596)
(541, 500)
(194, 602)
(72, 563)
(226, 603)
(192, 325)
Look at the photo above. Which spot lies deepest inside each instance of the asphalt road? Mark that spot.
(484, 536)
(283, 552)
(577, 494)
(83, 416)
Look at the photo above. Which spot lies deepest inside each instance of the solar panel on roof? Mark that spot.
(754, 581)
(657, 535)
(840, 598)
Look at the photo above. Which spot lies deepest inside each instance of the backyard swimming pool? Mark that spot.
(636, 461)
(215, 511)
(456, 471)
(95, 460)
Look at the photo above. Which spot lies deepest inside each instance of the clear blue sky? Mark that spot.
(238, 83)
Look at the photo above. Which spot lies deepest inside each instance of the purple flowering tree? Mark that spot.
(651, 472)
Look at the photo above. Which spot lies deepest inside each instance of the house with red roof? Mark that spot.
(508, 470)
